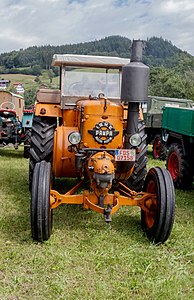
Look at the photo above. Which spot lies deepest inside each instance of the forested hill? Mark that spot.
(157, 52)
(171, 69)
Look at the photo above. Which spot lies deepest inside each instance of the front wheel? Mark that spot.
(157, 221)
(41, 214)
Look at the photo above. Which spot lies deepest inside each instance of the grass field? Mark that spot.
(84, 258)
(28, 80)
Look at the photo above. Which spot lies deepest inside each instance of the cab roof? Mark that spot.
(75, 60)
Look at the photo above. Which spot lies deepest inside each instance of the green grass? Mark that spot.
(84, 258)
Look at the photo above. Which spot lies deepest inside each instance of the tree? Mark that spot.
(36, 70)
(170, 83)
(30, 96)
(51, 74)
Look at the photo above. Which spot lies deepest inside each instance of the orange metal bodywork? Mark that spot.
(90, 200)
(102, 163)
(69, 117)
(86, 115)
(93, 112)
(63, 160)
(91, 115)
(46, 109)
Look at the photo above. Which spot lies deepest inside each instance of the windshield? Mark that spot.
(88, 81)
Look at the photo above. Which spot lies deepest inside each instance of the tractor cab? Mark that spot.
(89, 76)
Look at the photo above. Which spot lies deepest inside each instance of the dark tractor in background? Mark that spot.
(10, 128)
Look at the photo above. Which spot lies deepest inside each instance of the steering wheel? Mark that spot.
(75, 88)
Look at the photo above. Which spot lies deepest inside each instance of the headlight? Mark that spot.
(74, 138)
(135, 140)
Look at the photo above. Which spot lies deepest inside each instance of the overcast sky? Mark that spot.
(27, 23)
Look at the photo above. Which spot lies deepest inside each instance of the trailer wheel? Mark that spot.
(42, 139)
(41, 214)
(158, 221)
(158, 149)
(27, 142)
(136, 180)
(179, 167)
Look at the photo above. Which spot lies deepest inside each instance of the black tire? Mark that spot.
(136, 180)
(42, 140)
(41, 214)
(27, 142)
(158, 222)
(158, 149)
(179, 166)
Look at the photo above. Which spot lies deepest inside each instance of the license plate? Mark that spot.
(125, 155)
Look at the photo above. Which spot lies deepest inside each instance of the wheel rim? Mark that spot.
(151, 205)
(173, 165)
(157, 148)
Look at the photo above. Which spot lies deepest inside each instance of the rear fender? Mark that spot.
(48, 110)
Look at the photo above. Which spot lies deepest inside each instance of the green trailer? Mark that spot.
(153, 120)
(178, 134)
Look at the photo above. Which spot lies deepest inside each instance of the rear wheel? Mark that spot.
(158, 149)
(42, 140)
(41, 214)
(27, 142)
(136, 180)
(158, 221)
(179, 167)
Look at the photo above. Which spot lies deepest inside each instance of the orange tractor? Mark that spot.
(92, 130)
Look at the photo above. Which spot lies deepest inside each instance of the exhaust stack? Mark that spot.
(134, 90)
(135, 76)
(134, 87)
